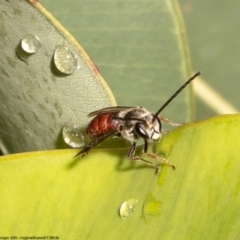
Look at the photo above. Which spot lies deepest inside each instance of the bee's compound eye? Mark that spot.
(140, 131)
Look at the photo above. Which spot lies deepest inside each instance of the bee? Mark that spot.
(130, 123)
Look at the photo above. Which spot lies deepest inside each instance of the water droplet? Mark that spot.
(151, 207)
(30, 44)
(64, 59)
(128, 207)
(73, 136)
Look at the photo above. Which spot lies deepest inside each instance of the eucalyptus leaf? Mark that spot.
(42, 89)
(140, 48)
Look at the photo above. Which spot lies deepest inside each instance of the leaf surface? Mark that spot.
(140, 48)
(36, 98)
(44, 194)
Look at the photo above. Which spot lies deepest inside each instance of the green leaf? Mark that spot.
(140, 48)
(43, 194)
(36, 98)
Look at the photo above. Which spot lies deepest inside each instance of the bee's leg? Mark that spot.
(137, 158)
(132, 150)
(95, 142)
(161, 118)
(155, 156)
(165, 131)
(151, 155)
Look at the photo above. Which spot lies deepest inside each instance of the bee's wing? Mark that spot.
(115, 109)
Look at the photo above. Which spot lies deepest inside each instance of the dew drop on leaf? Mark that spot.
(64, 59)
(30, 44)
(73, 136)
(127, 208)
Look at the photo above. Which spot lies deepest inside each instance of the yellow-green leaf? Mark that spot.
(43, 194)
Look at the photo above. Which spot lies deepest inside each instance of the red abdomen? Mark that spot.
(101, 124)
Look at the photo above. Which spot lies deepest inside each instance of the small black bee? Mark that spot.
(130, 123)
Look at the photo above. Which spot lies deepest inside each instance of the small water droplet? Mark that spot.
(151, 207)
(128, 207)
(30, 44)
(64, 59)
(73, 136)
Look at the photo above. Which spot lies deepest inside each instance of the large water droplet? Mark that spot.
(64, 59)
(30, 44)
(128, 207)
(73, 136)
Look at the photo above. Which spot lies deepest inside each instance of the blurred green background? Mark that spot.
(212, 31)
(213, 35)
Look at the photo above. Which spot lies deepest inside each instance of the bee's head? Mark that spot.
(151, 129)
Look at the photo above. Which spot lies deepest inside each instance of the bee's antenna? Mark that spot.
(176, 93)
